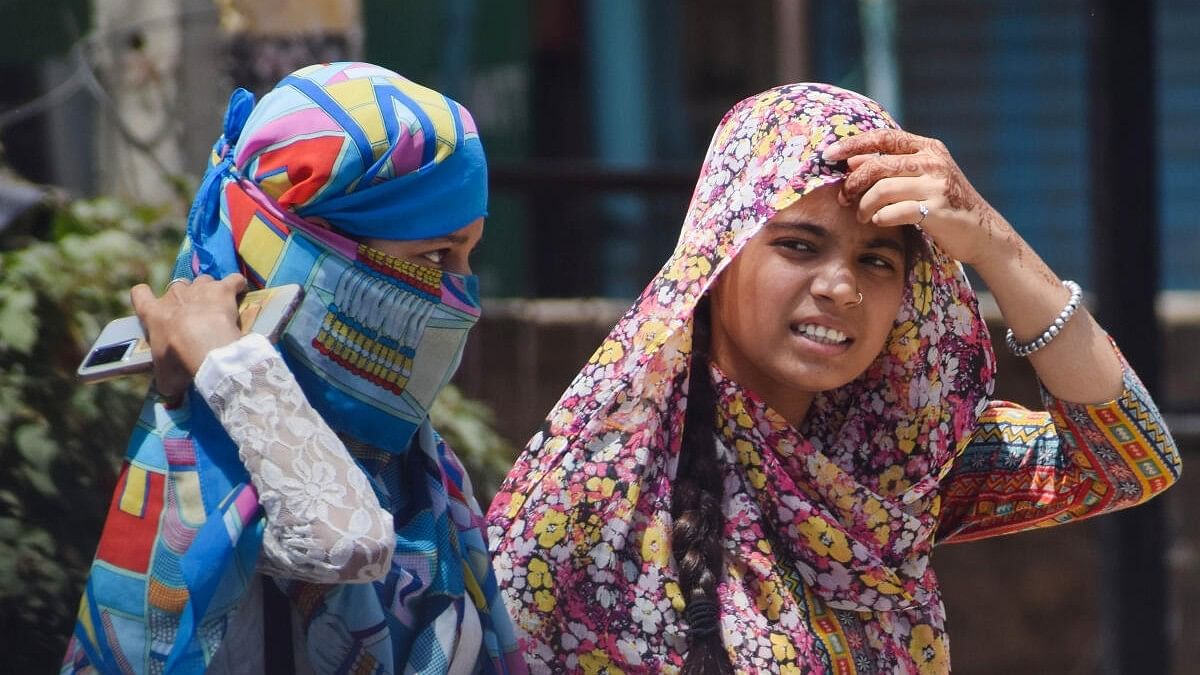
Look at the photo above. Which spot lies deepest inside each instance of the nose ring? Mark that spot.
(859, 302)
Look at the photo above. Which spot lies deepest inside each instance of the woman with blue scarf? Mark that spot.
(289, 507)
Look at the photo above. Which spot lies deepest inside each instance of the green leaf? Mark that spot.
(18, 325)
(36, 446)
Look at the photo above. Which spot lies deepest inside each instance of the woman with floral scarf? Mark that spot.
(751, 472)
(290, 508)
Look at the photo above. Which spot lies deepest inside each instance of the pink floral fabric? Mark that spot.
(833, 520)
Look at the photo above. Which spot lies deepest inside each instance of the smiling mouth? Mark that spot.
(821, 334)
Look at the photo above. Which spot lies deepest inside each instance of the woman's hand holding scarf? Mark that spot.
(185, 324)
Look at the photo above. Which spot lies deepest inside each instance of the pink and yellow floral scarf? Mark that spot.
(836, 518)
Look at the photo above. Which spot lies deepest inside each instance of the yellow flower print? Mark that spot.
(882, 582)
(882, 534)
(842, 126)
(893, 481)
(905, 341)
(736, 412)
(923, 289)
(824, 540)
(785, 198)
(609, 352)
(827, 473)
(554, 445)
(790, 669)
(928, 649)
(782, 647)
(545, 600)
(906, 437)
(514, 505)
(769, 600)
(592, 529)
(655, 548)
(876, 514)
(845, 500)
(689, 268)
(674, 594)
(650, 336)
(634, 492)
(602, 486)
(551, 528)
(746, 453)
(764, 142)
(757, 478)
(597, 661)
(539, 574)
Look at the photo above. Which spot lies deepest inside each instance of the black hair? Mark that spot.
(699, 524)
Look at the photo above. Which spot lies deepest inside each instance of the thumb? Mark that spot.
(141, 297)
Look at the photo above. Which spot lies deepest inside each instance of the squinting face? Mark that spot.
(450, 253)
(786, 318)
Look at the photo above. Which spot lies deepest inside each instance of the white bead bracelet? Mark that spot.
(1054, 329)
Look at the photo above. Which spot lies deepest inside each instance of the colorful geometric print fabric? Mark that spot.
(375, 155)
(1026, 470)
(829, 528)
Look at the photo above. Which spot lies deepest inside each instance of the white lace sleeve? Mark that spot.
(324, 523)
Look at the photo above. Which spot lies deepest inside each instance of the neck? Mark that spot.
(790, 404)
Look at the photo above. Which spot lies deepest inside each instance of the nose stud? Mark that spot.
(858, 302)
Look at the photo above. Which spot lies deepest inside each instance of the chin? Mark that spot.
(817, 382)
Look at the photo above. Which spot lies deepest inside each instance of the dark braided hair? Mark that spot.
(699, 523)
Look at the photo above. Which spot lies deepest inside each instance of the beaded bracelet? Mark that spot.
(1054, 329)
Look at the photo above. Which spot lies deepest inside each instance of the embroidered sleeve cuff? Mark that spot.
(232, 359)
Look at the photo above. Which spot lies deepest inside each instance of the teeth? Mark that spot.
(822, 334)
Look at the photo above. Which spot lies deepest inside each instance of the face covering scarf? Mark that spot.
(828, 528)
(373, 342)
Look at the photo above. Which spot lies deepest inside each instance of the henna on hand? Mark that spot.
(875, 169)
(887, 141)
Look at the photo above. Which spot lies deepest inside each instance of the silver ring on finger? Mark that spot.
(924, 213)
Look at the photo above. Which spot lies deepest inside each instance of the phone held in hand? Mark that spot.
(122, 348)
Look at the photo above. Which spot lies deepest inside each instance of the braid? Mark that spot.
(699, 523)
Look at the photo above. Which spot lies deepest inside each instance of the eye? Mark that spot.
(436, 257)
(878, 261)
(797, 245)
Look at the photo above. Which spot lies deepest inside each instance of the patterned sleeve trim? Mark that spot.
(324, 521)
(1024, 469)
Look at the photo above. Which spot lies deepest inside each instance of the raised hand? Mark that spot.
(190, 319)
(898, 178)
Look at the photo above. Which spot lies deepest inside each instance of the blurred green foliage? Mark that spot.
(61, 442)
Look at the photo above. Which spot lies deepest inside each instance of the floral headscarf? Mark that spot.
(841, 511)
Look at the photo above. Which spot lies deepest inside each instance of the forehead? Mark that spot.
(821, 209)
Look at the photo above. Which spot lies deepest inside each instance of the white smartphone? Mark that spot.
(122, 348)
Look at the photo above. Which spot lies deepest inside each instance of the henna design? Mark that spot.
(873, 170)
(887, 141)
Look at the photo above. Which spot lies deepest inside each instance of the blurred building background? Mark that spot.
(596, 115)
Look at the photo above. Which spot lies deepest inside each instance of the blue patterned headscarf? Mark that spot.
(375, 156)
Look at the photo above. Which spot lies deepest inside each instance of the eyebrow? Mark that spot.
(453, 238)
(821, 232)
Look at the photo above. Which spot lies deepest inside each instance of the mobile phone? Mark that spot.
(122, 348)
